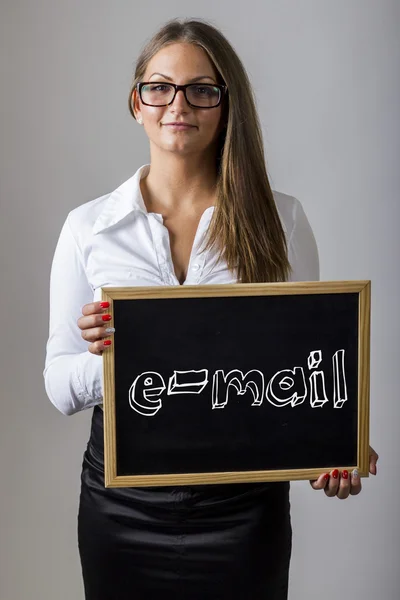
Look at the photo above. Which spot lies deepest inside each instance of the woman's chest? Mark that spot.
(182, 233)
(145, 252)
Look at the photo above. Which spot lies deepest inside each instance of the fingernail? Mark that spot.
(335, 474)
(107, 343)
(110, 330)
(345, 474)
(104, 304)
(106, 317)
(355, 473)
(326, 477)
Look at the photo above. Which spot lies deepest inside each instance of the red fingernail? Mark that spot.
(107, 343)
(104, 304)
(345, 474)
(326, 477)
(335, 474)
(106, 317)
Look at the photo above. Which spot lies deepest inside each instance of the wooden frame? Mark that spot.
(362, 288)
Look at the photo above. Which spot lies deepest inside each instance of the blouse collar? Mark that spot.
(122, 201)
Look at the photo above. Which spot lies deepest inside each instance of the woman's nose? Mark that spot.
(180, 100)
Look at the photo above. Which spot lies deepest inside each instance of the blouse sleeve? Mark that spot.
(302, 248)
(72, 375)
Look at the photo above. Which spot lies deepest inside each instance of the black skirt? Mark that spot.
(217, 542)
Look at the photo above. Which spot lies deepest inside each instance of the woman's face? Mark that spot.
(180, 63)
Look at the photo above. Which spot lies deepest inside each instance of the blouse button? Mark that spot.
(196, 267)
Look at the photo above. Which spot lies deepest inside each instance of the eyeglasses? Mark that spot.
(198, 95)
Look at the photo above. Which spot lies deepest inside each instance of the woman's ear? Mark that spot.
(136, 106)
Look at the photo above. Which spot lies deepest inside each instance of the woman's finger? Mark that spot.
(99, 346)
(94, 308)
(96, 333)
(332, 487)
(373, 459)
(320, 483)
(344, 486)
(93, 314)
(91, 321)
(355, 483)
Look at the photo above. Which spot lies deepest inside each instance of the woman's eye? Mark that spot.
(203, 91)
(159, 88)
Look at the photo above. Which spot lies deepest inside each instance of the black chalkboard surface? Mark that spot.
(229, 383)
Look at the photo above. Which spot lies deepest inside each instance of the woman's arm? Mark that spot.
(73, 376)
(302, 248)
(303, 256)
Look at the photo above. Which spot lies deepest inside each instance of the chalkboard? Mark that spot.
(234, 383)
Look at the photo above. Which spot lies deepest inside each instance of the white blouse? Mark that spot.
(114, 241)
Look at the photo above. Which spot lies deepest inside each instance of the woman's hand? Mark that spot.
(341, 484)
(95, 326)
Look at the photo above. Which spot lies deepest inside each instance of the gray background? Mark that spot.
(327, 79)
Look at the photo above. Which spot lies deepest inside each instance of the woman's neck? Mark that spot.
(179, 184)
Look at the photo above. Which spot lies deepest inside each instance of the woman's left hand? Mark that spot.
(344, 484)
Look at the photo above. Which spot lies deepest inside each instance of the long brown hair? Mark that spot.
(245, 227)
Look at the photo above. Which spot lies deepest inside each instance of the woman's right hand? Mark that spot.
(95, 326)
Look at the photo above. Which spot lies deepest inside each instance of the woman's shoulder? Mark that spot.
(85, 215)
(288, 208)
(102, 212)
(303, 249)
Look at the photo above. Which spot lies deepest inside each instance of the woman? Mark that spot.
(201, 213)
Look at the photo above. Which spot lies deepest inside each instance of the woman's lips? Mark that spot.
(178, 127)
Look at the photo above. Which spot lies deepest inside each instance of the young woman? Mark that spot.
(202, 212)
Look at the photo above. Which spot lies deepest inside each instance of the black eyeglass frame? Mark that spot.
(222, 88)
